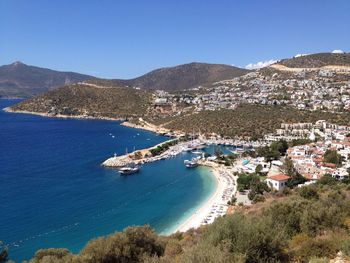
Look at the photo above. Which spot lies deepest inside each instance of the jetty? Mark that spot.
(145, 156)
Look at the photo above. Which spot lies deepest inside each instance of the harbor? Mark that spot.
(217, 204)
(143, 156)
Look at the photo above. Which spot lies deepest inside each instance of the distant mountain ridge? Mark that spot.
(317, 60)
(21, 80)
(183, 77)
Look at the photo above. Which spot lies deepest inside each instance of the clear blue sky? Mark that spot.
(126, 38)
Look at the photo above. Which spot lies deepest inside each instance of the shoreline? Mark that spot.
(195, 220)
(60, 116)
(199, 214)
(147, 126)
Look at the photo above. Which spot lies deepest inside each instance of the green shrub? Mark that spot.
(308, 192)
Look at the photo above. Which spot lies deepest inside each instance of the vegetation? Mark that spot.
(274, 151)
(183, 77)
(332, 157)
(297, 142)
(163, 147)
(80, 99)
(317, 60)
(253, 183)
(289, 169)
(254, 120)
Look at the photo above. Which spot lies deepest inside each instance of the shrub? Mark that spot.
(327, 179)
(258, 198)
(52, 255)
(314, 247)
(254, 237)
(308, 192)
(131, 245)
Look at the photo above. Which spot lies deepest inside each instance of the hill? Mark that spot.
(21, 80)
(87, 100)
(317, 60)
(183, 77)
(249, 120)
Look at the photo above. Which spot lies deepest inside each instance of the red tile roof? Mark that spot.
(279, 177)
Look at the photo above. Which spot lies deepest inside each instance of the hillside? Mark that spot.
(317, 60)
(183, 77)
(81, 99)
(249, 120)
(21, 80)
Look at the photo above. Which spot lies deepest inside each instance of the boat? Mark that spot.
(197, 152)
(191, 163)
(129, 170)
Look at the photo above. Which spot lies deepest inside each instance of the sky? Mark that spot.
(128, 38)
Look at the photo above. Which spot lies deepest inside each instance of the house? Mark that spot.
(277, 182)
(340, 174)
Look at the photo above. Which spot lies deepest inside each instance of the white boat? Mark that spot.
(129, 170)
(191, 163)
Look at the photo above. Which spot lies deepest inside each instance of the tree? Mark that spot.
(281, 146)
(257, 188)
(289, 169)
(269, 153)
(232, 201)
(243, 181)
(258, 169)
(327, 179)
(332, 157)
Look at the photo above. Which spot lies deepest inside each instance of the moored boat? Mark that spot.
(191, 163)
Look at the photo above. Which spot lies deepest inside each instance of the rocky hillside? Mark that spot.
(249, 120)
(21, 80)
(87, 100)
(317, 60)
(183, 77)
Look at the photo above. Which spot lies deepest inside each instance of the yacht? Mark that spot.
(191, 163)
(129, 170)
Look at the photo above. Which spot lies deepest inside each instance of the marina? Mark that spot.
(78, 199)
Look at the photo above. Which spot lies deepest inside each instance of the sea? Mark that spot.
(54, 193)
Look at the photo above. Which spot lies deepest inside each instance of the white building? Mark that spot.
(277, 182)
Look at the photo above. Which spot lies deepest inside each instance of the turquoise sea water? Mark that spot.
(54, 193)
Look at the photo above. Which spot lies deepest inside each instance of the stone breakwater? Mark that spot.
(118, 161)
(144, 156)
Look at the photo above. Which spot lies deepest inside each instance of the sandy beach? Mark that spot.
(196, 219)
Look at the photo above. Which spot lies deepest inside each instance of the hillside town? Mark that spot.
(303, 88)
(321, 149)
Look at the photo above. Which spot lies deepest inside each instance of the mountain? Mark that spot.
(78, 100)
(183, 77)
(21, 80)
(317, 60)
